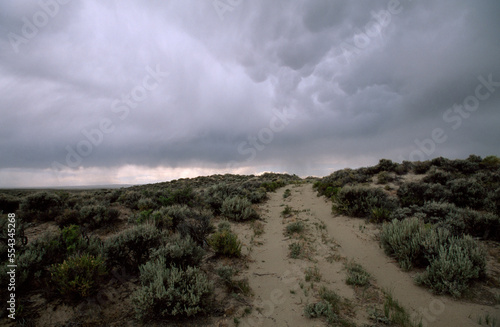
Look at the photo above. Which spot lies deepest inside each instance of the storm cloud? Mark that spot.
(126, 91)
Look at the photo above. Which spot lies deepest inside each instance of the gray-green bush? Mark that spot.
(403, 240)
(455, 267)
(238, 209)
(171, 291)
(359, 201)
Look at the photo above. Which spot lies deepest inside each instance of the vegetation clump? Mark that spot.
(170, 291)
(238, 209)
(78, 276)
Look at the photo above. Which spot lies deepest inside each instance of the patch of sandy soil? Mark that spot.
(280, 292)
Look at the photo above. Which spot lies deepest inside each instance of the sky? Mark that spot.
(133, 92)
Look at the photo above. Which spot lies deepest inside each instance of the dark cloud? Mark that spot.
(176, 88)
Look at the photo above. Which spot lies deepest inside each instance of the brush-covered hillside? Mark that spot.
(177, 252)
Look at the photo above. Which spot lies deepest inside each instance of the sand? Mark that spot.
(280, 292)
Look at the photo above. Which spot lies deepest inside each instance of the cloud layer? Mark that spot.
(133, 92)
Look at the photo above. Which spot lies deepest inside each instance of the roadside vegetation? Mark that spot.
(436, 215)
(174, 241)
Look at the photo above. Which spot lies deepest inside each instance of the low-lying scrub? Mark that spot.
(171, 291)
(452, 263)
(78, 276)
(358, 201)
(226, 243)
(238, 209)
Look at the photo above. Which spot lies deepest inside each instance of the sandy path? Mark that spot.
(275, 278)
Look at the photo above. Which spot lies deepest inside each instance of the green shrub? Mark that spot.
(295, 250)
(295, 227)
(379, 215)
(287, 211)
(179, 251)
(455, 267)
(412, 193)
(421, 167)
(273, 186)
(403, 240)
(358, 201)
(130, 199)
(225, 243)
(467, 193)
(216, 194)
(133, 246)
(198, 226)
(68, 217)
(312, 274)
(41, 206)
(95, 216)
(226, 273)
(438, 177)
(173, 291)
(319, 309)
(287, 193)
(491, 162)
(161, 219)
(185, 196)
(384, 177)
(146, 204)
(78, 276)
(238, 209)
(357, 275)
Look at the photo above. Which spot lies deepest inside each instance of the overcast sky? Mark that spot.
(103, 92)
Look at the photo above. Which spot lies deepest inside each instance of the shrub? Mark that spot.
(184, 196)
(379, 215)
(340, 178)
(79, 275)
(320, 309)
(198, 227)
(238, 209)
(216, 194)
(95, 216)
(312, 274)
(226, 273)
(178, 214)
(295, 227)
(295, 250)
(287, 211)
(42, 206)
(438, 177)
(358, 201)
(8, 203)
(455, 267)
(179, 251)
(130, 199)
(161, 219)
(132, 247)
(384, 177)
(421, 167)
(171, 291)
(403, 240)
(412, 193)
(225, 243)
(146, 204)
(273, 186)
(287, 193)
(491, 162)
(467, 193)
(357, 275)
(68, 217)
